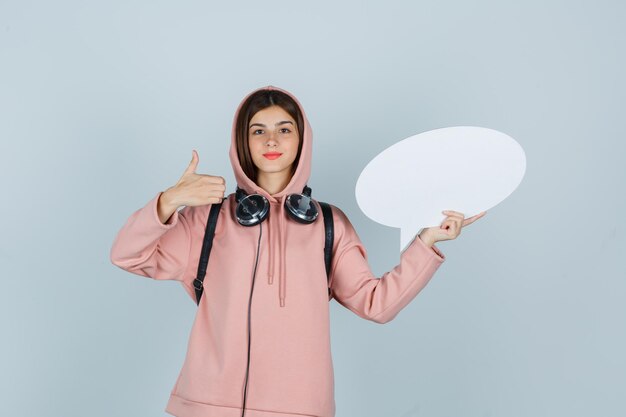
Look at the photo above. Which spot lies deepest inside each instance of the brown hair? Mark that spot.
(258, 101)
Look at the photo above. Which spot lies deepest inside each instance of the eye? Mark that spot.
(287, 129)
(258, 130)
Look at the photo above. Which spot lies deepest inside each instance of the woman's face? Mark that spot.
(273, 130)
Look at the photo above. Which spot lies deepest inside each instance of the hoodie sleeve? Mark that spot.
(377, 299)
(147, 247)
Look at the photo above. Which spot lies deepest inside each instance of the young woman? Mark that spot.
(260, 341)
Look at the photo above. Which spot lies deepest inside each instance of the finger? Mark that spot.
(216, 193)
(474, 218)
(453, 231)
(454, 213)
(456, 219)
(479, 215)
(191, 168)
(214, 200)
(456, 226)
(219, 187)
(214, 179)
(468, 222)
(446, 226)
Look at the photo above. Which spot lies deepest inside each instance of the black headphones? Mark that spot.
(254, 208)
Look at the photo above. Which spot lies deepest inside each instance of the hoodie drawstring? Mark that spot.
(270, 236)
(282, 247)
(278, 221)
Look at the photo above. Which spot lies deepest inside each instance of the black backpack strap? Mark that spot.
(207, 244)
(329, 233)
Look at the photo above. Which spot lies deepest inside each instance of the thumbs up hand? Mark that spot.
(192, 189)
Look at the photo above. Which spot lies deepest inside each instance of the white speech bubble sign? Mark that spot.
(468, 169)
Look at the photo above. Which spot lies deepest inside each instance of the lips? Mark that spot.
(272, 155)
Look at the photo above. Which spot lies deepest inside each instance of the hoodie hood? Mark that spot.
(277, 220)
(303, 171)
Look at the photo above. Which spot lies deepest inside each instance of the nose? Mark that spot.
(271, 140)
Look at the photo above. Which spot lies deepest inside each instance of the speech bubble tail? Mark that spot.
(406, 237)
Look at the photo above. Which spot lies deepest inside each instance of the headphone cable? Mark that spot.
(245, 392)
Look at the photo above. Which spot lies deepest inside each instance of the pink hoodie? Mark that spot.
(289, 371)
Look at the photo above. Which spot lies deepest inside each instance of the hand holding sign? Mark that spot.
(467, 169)
(450, 228)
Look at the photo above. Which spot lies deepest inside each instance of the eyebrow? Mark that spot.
(277, 124)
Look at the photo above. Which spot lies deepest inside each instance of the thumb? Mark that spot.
(191, 168)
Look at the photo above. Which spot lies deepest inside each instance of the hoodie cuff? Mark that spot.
(171, 222)
(433, 250)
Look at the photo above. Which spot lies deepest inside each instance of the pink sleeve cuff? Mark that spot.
(435, 251)
(171, 222)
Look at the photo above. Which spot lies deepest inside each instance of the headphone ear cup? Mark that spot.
(301, 208)
(252, 209)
